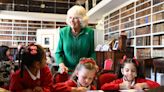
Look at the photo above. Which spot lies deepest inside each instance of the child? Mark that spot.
(81, 79)
(130, 77)
(34, 75)
(6, 66)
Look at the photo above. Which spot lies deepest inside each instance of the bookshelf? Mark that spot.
(13, 31)
(143, 22)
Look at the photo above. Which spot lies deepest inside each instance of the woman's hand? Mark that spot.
(63, 68)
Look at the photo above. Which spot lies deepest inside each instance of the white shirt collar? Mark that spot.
(33, 76)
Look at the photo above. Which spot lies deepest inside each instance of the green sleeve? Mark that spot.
(59, 50)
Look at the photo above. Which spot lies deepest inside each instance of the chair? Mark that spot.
(103, 78)
(108, 64)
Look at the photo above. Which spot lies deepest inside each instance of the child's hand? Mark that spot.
(125, 85)
(37, 89)
(140, 86)
(79, 89)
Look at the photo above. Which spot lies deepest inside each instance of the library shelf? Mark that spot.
(142, 21)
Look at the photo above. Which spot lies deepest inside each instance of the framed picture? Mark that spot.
(47, 41)
(115, 46)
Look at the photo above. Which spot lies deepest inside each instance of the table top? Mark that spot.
(159, 89)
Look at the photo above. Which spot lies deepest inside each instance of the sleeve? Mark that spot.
(92, 50)
(64, 86)
(151, 84)
(47, 82)
(93, 87)
(61, 87)
(59, 50)
(114, 85)
(15, 84)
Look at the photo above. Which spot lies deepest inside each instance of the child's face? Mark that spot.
(85, 76)
(129, 71)
(8, 52)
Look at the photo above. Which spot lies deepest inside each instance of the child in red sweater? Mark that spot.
(130, 78)
(82, 78)
(34, 75)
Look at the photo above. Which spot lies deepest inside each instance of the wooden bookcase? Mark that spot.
(13, 31)
(143, 22)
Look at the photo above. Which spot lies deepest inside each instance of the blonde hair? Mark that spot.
(87, 63)
(78, 11)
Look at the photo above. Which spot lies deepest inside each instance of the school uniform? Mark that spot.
(29, 81)
(115, 84)
(67, 86)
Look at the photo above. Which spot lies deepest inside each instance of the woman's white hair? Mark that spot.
(77, 11)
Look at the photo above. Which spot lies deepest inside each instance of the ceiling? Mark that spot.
(96, 13)
(44, 6)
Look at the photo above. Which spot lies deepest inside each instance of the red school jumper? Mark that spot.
(115, 84)
(67, 86)
(18, 84)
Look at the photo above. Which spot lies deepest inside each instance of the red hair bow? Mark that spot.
(87, 60)
(137, 63)
(124, 58)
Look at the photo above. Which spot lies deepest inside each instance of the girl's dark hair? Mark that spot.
(3, 50)
(137, 64)
(28, 58)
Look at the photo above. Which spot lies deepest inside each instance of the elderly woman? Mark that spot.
(76, 40)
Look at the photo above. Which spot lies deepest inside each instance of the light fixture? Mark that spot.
(42, 5)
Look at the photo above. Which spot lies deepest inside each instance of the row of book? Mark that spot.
(5, 27)
(158, 8)
(5, 32)
(158, 27)
(148, 4)
(7, 43)
(143, 20)
(127, 13)
(114, 18)
(143, 13)
(158, 16)
(143, 41)
(127, 19)
(127, 25)
(140, 1)
(157, 1)
(158, 40)
(143, 53)
(114, 28)
(158, 52)
(127, 7)
(143, 30)
(5, 37)
(114, 23)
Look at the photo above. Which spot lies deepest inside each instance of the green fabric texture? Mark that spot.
(71, 48)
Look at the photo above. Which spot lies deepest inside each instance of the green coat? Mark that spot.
(71, 48)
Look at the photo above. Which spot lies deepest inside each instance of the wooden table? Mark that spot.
(159, 89)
